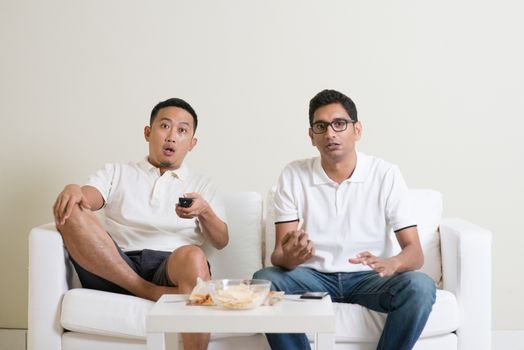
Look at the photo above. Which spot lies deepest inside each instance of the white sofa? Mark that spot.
(458, 257)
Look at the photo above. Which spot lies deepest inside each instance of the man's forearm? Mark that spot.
(214, 229)
(94, 198)
(410, 258)
(278, 259)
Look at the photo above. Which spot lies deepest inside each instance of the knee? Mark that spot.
(193, 259)
(76, 219)
(273, 274)
(261, 274)
(422, 289)
(266, 273)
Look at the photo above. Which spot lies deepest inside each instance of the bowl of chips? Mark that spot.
(239, 294)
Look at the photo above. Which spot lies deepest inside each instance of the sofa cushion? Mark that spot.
(427, 211)
(102, 313)
(243, 255)
(357, 323)
(123, 316)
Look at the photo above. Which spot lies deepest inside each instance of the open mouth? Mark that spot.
(168, 150)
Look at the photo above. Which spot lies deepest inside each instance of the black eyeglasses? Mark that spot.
(337, 125)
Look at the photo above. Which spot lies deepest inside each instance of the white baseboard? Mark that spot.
(12, 339)
(506, 340)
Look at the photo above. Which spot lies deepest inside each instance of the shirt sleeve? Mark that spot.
(215, 199)
(398, 209)
(285, 203)
(104, 180)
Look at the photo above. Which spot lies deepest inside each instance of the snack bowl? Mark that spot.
(239, 294)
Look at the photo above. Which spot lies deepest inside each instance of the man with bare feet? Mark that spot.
(150, 244)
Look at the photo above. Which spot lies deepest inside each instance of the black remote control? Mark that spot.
(185, 202)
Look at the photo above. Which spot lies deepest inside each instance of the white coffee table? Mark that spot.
(170, 316)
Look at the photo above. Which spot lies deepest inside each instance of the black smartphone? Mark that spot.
(185, 202)
(313, 295)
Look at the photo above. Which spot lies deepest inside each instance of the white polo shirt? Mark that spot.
(140, 205)
(344, 220)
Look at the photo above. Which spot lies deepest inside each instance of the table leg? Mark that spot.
(324, 341)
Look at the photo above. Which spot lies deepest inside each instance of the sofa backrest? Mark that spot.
(243, 255)
(252, 237)
(427, 211)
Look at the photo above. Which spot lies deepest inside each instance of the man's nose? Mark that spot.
(330, 131)
(171, 137)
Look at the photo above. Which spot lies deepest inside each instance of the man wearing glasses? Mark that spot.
(348, 203)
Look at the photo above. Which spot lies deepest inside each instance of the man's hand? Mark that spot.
(384, 267)
(65, 202)
(410, 257)
(197, 208)
(213, 228)
(296, 247)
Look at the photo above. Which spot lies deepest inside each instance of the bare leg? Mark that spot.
(184, 266)
(92, 248)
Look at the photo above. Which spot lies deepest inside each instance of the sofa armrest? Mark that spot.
(466, 272)
(48, 281)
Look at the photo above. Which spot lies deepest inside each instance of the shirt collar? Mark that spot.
(359, 174)
(181, 173)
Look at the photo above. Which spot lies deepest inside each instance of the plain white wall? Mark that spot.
(438, 85)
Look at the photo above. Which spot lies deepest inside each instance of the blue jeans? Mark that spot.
(406, 297)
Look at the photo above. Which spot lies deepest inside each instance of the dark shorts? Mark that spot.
(149, 264)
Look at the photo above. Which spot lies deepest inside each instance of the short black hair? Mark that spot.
(326, 97)
(174, 102)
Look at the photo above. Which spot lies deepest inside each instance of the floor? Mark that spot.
(12, 339)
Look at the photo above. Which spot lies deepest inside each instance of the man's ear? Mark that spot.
(358, 130)
(147, 132)
(194, 141)
(311, 137)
